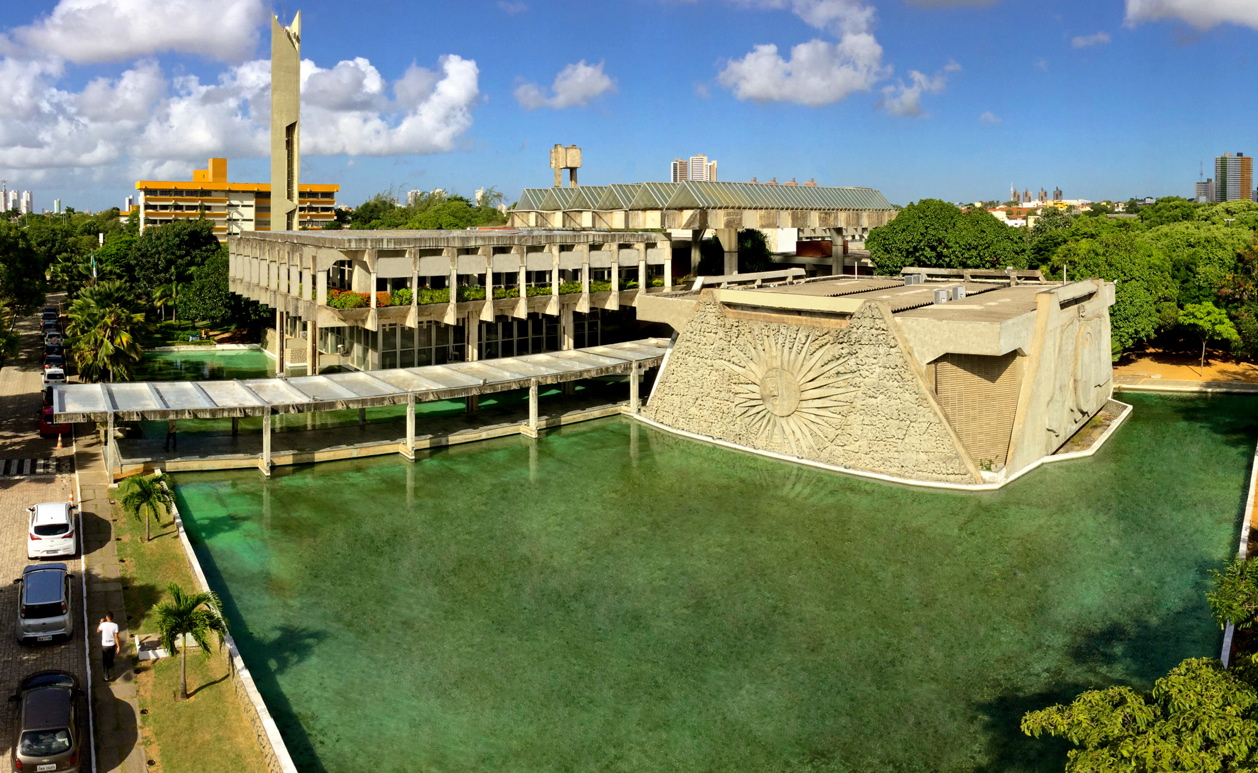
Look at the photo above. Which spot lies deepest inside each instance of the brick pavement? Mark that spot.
(20, 383)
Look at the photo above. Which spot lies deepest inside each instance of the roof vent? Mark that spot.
(958, 292)
(941, 295)
(914, 279)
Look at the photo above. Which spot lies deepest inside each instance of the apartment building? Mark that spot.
(234, 207)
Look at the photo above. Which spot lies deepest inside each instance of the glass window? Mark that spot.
(406, 358)
(423, 357)
(406, 338)
(390, 338)
(423, 335)
(388, 360)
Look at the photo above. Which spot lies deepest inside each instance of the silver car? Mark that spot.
(45, 610)
(49, 727)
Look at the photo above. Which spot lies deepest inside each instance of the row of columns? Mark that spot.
(534, 421)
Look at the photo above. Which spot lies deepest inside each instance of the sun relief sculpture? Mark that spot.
(786, 392)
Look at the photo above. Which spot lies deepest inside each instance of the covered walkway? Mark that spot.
(156, 401)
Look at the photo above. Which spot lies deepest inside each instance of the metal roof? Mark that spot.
(702, 195)
(358, 389)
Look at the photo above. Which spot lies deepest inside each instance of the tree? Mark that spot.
(1052, 230)
(170, 253)
(21, 270)
(1200, 717)
(1209, 323)
(1202, 256)
(753, 254)
(917, 237)
(147, 496)
(189, 614)
(1142, 274)
(979, 240)
(104, 323)
(208, 300)
(1234, 598)
(1166, 210)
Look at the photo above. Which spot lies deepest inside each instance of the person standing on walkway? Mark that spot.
(108, 631)
(172, 442)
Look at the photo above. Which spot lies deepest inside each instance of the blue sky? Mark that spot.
(918, 98)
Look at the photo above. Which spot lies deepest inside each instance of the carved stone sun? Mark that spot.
(787, 393)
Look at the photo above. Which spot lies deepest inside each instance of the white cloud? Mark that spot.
(512, 8)
(121, 30)
(1202, 14)
(575, 85)
(989, 117)
(905, 99)
(818, 73)
(1083, 41)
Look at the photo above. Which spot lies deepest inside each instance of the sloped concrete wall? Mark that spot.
(849, 397)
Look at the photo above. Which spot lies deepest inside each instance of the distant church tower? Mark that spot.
(285, 122)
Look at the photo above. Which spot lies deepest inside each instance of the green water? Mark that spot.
(204, 366)
(616, 598)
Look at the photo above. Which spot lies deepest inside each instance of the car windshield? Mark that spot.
(44, 743)
(41, 611)
(51, 529)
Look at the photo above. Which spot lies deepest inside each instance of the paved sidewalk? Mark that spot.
(1148, 384)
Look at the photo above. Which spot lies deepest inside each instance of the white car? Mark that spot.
(51, 531)
(54, 377)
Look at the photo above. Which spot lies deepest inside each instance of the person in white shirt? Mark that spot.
(108, 631)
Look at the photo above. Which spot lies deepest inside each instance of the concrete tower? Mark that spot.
(285, 122)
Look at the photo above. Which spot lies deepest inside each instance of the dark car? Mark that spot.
(49, 728)
(57, 349)
(49, 314)
(54, 361)
(45, 608)
(47, 426)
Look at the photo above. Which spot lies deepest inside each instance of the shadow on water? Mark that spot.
(292, 646)
(1113, 654)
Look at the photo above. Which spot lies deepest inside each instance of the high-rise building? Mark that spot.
(27, 205)
(1057, 194)
(1204, 192)
(233, 207)
(285, 122)
(10, 201)
(697, 168)
(128, 205)
(56, 206)
(1233, 177)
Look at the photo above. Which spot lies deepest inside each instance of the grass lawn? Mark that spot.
(177, 734)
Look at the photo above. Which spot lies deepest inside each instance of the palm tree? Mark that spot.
(104, 320)
(189, 614)
(147, 496)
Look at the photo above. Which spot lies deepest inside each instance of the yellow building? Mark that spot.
(234, 207)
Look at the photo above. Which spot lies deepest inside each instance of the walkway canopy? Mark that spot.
(155, 400)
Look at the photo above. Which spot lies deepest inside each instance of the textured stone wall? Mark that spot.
(845, 397)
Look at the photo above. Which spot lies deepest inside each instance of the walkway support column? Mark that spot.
(410, 427)
(532, 408)
(235, 426)
(279, 342)
(634, 377)
(567, 342)
(729, 244)
(312, 349)
(266, 442)
(362, 418)
(472, 337)
(696, 242)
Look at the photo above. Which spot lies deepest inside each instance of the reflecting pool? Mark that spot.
(204, 366)
(616, 598)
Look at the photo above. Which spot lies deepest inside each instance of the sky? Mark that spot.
(951, 99)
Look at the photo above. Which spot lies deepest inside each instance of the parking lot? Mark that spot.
(20, 382)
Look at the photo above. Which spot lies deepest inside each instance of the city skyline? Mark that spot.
(917, 98)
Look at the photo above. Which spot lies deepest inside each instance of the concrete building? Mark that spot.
(56, 206)
(696, 168)
(235, 208)
(515, 292)
(951, 377)
(1203, 192)
(285, 123)
(1233, 177)
(11, 201)
(565, 159)
(26, 205)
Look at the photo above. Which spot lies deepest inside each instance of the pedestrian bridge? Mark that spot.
(162, 400)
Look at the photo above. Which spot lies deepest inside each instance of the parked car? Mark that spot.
(52, 337)
(48, 426)
(49, 325)
(59, 349)
(54, 377)
(45, 603)
(49, 727)
(49, 314)
(47, 393)
(51, 531)
(54, 361)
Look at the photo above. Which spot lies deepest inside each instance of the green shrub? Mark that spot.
(428, 295)
(401, 297)
(345, 299)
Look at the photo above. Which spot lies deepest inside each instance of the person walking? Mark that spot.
(108, 631)
(172, 442)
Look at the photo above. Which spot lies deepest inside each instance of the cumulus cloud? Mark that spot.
(512, 8)
(84, 31)
(575, 85)
(818, 72)
(142, 120)
(1083, 41)
(905, 99)
(1202, 14)
(989, 117)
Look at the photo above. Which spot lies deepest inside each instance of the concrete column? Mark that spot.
(452, 315)
(635, 376)
(279, 342)
(413, 254)
(472, 337)
(696, 241)
(729, 243)
(836, 251)
(410, 426)
(266, 442)
(362, 418)
(373, 287)
(613, 302)
(321, 285)
(109, 430)
(554, 270)
(533, 407)
(522, 279)
(235, 426)
(312, 349)
(487, 310)
(567, 341)
(668, 265)
(643, 282)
